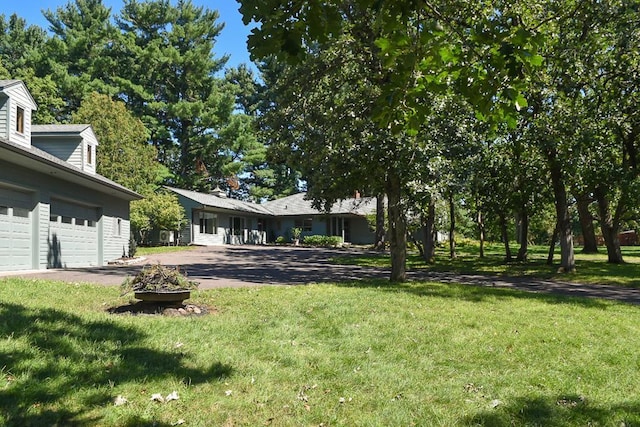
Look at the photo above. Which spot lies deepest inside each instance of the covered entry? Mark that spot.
(16, 243)
(73, 235)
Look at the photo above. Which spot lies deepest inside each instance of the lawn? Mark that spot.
(590, 268)
(365, 354)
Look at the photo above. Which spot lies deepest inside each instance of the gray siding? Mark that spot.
(4, 117)
(46, 187)
(69, 150)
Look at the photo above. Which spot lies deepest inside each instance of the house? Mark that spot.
(55, 210)
(214, 219)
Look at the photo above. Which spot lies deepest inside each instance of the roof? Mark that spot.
(6, 84)
(297, 204)
(294, 205)
(44, 162)
(210, 200)
(59, 129)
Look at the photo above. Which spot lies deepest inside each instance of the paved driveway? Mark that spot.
(232, 266)
(235, 266)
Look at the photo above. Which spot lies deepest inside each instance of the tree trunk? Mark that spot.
(429, 230)
(523, 238)
(452, 227)
(380, 231)
(586, 224)
(481, 231)
(552, 246)
(610, 228)
(397, 229)
(505, 237)
(567, 256)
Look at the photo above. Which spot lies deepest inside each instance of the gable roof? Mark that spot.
(36, 159)
(297, 204)
(293, 205)
(211, 200)
(7, 84)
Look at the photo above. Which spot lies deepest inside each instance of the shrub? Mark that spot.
(158, 278)
(323, 241)
(280, 240)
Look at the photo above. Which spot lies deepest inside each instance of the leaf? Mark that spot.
(521, 102)
(157, 397)
(120, 400)
(172, 396)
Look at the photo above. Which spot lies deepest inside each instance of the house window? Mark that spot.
(67, 220)
(306, 224)
(53, 218)
(89, 155)
(20, 120)
(117, 231)
(208, 223)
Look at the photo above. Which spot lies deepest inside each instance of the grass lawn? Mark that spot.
(149, 250)
(591, 268)
(365, 354)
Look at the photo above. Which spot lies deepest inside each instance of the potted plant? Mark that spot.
(295, 235)
(159, 284)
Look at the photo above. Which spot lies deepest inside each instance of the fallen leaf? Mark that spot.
(179, 422)
(342, 400)
(157, 397)
(495, 403)
(172, 396)
(179, 344)
(120, 400)
(228, 392)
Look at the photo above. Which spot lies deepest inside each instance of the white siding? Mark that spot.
(114, 244)
(89, 142)
(4, 116)
(19, 97)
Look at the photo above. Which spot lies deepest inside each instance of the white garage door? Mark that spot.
(73, 235)
(15, 230)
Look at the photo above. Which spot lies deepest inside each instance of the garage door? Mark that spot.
(15, 230)
(73, 235)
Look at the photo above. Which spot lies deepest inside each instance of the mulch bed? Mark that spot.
(164, 309)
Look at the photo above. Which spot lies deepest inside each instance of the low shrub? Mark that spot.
(280, 240)
(322, 241)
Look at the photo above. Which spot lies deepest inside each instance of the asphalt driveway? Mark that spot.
(237, 266)
(231, 266)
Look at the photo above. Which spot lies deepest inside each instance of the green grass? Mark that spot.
(150, 250)
(590, 268)
(365, 354)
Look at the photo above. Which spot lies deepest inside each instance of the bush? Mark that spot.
(280, 240)
(323, 241)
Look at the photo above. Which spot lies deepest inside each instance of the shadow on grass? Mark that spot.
(567, 410)
(471, 292)
(56, 355)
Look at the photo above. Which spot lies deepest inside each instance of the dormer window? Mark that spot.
(89, 155)
(20, 120)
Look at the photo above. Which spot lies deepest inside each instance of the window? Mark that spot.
(91, 223)
(117, 229)
(89, 155)
(208, 223)
(21, 212)
(20, 120)
(306, 224)
(53, 218)
(67, 219)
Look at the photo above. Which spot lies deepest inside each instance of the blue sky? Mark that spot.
(232, 40)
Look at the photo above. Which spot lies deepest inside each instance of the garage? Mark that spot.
(16, 250)
(73, 235)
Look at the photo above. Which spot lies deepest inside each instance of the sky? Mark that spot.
(232, 40)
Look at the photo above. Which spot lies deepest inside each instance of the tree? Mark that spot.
(168, 80)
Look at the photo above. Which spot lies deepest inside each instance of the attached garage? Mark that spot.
(73, 235)
(16, 243)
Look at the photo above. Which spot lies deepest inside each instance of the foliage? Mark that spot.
(296, 233)
(158, 278)
(323, 241)
(280, 240)
(133, 245)
(160, 210)
(341, 354)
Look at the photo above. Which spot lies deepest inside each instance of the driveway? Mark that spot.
(236, 266)
(231, 266)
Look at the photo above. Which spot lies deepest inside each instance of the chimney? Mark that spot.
(219, 192)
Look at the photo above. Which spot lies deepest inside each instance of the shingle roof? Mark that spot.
(7, 83)
(66, 128)
(287, 206)
(221, 202)
(43, 157)
(296, 204)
